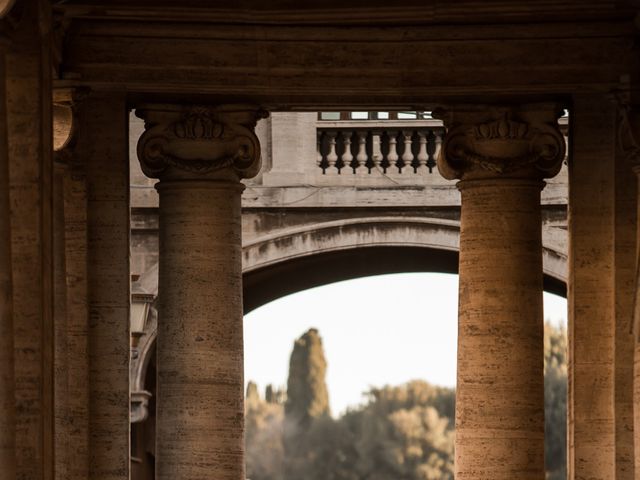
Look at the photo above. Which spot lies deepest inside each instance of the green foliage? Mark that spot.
(401, 433)
(405, 432)
(555, 401)
(263, 437)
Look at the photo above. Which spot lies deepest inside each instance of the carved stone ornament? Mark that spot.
(5, 6)
(65, 103)
(199, 142)
(492, 142)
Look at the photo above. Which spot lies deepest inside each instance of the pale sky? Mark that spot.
(380, 330)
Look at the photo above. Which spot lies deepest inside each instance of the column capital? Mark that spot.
(5, 6)
(65, 103)
(199, 142)
(494, 141)
(7, 23)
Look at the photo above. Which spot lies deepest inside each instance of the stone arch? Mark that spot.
(326, 252)
(297, 258)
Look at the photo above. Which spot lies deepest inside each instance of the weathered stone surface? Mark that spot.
(7, 374)
(200, 154)
(29, 86)
(508, 141)
(199, 142)
(77, 341)
(499, 395)
(501, 155)
(102, 144)
(626, 225)
(591, 291)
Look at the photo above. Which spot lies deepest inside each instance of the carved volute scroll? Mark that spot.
(5, 6)
(501, 141)
(65, 103)
(63, 118)
(197, 142)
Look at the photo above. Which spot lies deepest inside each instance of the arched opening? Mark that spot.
(263, 285)
(399, 347)
(281, 279)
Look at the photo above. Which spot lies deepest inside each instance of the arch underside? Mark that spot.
(262, 286)
(306, 257)
(297, 258)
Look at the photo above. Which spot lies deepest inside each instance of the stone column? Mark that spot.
(103, 143)
(626, 227)
(591, 289)
(65, 425)
(500, 155)
(629, 148)
(29, 73)
(7, 379)
(200, 154)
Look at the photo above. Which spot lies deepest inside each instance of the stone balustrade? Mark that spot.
(406, 148)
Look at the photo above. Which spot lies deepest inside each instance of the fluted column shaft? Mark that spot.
(501, 155)
(199, 154)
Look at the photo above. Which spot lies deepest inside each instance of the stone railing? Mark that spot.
(354, 148)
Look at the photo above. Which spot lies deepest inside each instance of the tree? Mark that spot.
(263, 437)
(405, 433)
(555, 401)
(307, 395)
(307, 402)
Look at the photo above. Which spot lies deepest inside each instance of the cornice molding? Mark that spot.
(353, 12)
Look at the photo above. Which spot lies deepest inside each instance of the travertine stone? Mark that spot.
(200, 154)
(591, 290)
(29, 86)
(60, 332)
(625, 289)
(7, 377)
(75, 242)
(71, 316)
(501, 155)
(628, 158)
(501, 142)
(103, 144)
(199, 142)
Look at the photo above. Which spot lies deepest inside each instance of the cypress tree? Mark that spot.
(307, 402)
(307, 395)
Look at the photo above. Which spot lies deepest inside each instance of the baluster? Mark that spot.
(319, 153)
(376, 151)
(436, 152)
(407, 155)
(347, 156)
(392, 156)
(361, 157)
(423, 156)
(431, 147)
(332, 156)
